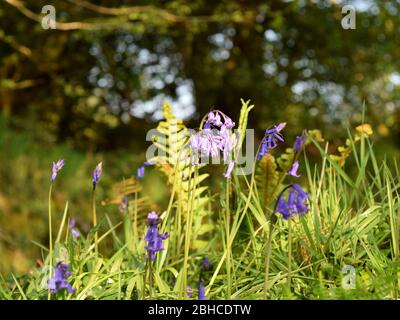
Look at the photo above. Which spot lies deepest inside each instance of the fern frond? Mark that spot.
(175, 164)
(244, 115)
(267, 177)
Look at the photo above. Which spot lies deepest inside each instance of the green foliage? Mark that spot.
(353, 220)
(184, 181)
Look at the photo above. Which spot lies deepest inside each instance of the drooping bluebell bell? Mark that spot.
(153, 238)
(270, 139)
(97, 172)
(59, 280)
(213, 138)
(202, 291)
(57, 166)
(215, 119)
(140, 172)
(74, 231)
(296, 203)
(206, 265)
(293, 169)
(189, 292)
(299, 142)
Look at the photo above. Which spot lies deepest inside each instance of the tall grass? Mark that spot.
(354, 220)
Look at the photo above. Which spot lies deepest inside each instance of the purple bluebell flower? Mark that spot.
(123, 207)
(293, 169)
(74, 231)
(140, 172)
(229, 169)
(299, 142)
(270, 139)
(207, 142)
(58, 281)
(214, 137)
(202, 291)
(215, 120)
(153, 238)
(295, 204)
(206, 265)
(189, 292)
(57, 166)
(97, 172)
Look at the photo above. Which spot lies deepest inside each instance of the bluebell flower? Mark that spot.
(214, 137)
(153, 238)
(74, 231)
(215, 120)
(207, 142)
(189, 292)
(97, 172)
(299, 142)
(140, 172)
(202, 291)
(57, 166)
(294, 168)
(270, 139)
(58, 281)
(206, 265)
(296, 203)
(123, 207)
(229, 169)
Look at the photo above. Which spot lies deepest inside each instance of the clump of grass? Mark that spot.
(353, 223)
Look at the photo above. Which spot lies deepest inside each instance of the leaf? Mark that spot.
(244, 114)
(175, 163)
(267, 177)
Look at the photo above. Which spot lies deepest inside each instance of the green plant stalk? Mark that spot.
(94, 217)
(145, 277)
(188, 233)
(228, 245)
(272, 220)
(267, 261)
(289, 255)
(150, 277)
(50, 240)
(135, 214)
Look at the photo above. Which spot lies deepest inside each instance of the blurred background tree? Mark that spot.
(88, 85)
